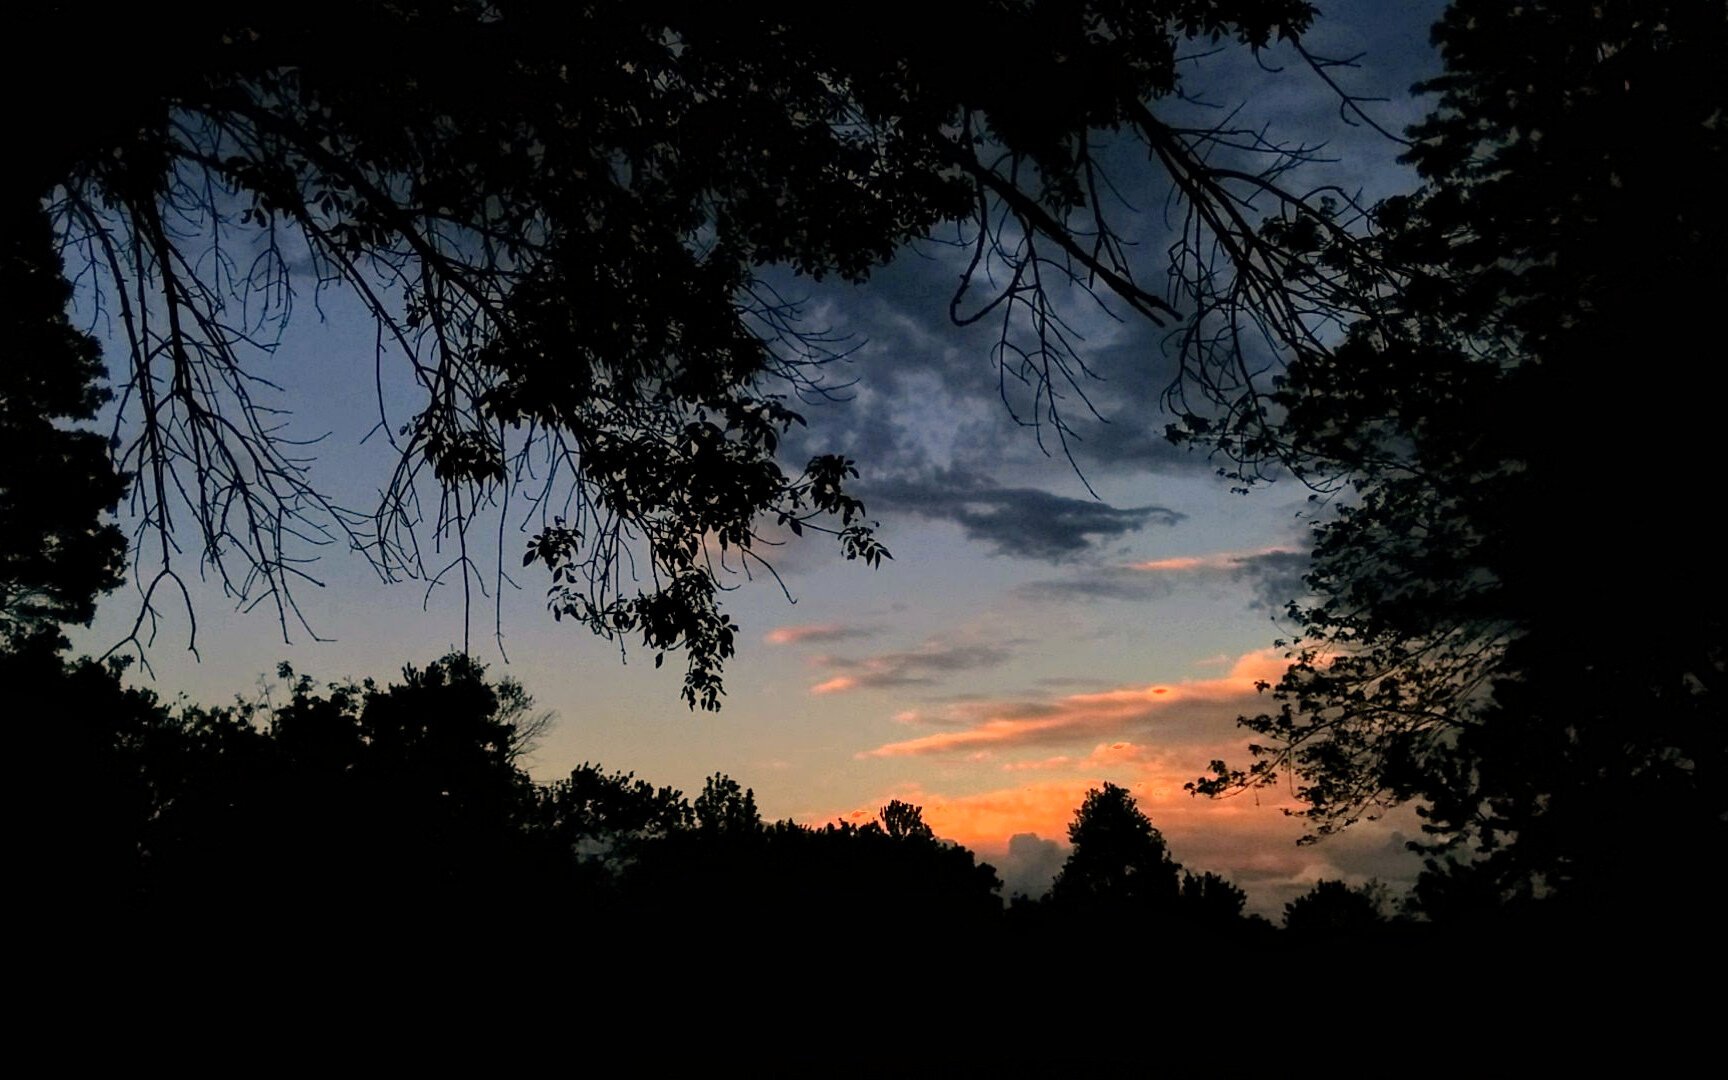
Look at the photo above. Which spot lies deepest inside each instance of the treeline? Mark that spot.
(392, 811)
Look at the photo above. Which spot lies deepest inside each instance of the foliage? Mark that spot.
(903, 821)
(1335, 909)
(608, 817)
(1211, 898)
(559, 218)
(398, 795)
(726, 809)
(56, 553)
(1119, 861)
(1489, 417)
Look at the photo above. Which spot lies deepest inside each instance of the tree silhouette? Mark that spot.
(726, 809)
(323, 812)
(606, 818)
(1211, 899)
(557, 217)
(1558, 725)
(903, 821)
(1119, 862)
(56, 553)
(1334, 909)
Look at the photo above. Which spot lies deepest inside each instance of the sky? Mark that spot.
(1049, 621)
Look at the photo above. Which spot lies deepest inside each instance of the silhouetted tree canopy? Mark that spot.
(1515, 617)
(1119, 861)
(334, 806)
(1334, 909)
(558, 218)
(1210, 898)
(57, 554)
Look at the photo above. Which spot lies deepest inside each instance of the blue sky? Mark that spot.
(1030, 638)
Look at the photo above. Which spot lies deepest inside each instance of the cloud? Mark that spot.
(1108, 583)
(1275, 574)
(1029, 865)
(987, 818)
(923, 666)
(1102, 756)
(1019, 521)
(815, 634)
(1183, 711)
(1061, 761)
(1228, 563)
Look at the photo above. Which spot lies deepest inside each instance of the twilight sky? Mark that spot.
(1027, 642)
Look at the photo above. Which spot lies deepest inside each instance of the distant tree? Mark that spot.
(903, 821)
(1335, 909)
(1209, 898)
(559, 218)
(725, 808)
(1119, 861)
(609, 817)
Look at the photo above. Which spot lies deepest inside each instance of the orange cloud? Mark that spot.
(1169, 707)
(795, 635)
(1061, 762)
(1217, 561)
(990, 818)
(1181, 563)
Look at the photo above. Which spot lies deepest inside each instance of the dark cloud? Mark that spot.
(919, 392)
(1275, 576)
(1112, 583)
(1025, 522)
(916, 667)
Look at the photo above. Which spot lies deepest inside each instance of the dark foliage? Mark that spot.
(1209, 898)
(1119, 862)
(56, 552)
(402, 801)
(557, 216)
(1332, 909)
(1515, 618)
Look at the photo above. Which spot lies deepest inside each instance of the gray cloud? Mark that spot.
(1114, 583)
(915, 667)
(920, 392)
(1275, 576)
(1031, 864)
(1020, 521)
